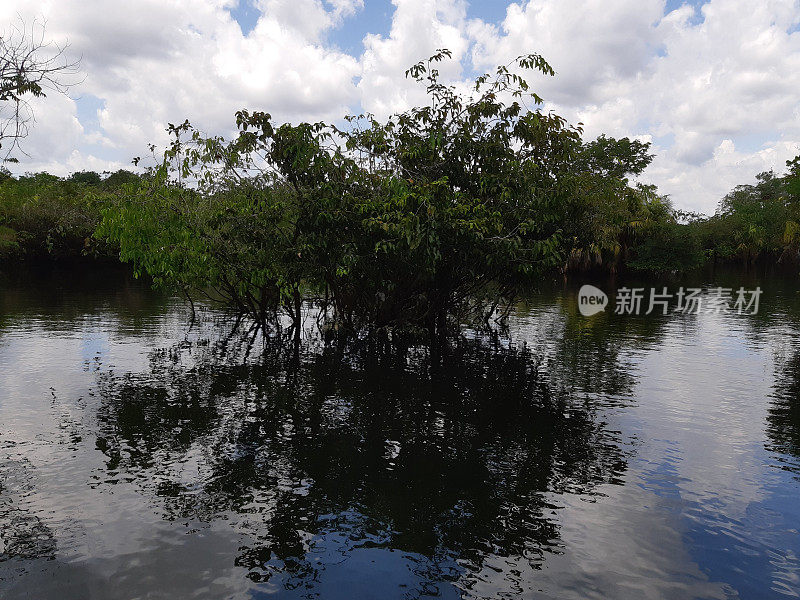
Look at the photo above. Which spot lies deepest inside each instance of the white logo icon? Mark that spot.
(591, 300)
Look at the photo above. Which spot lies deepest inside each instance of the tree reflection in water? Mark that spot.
(783, 418)
(453, 460)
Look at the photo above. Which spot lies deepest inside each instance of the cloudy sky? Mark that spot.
(714, 85)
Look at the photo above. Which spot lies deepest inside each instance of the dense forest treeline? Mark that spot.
(46, 216)
(441, 214)
(43, 216)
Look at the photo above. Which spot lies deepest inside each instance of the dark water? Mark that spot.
(604, 457)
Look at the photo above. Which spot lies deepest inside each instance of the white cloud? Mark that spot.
(345, 8)
(690, 79)
(625, 68)
(588, 42)
(700, 187)
(419, 28)
(154, 62)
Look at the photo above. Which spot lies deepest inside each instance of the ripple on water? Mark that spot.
(624, 458)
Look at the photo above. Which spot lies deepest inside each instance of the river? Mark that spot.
(611, 456)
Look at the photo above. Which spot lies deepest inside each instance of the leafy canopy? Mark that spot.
(439, 214)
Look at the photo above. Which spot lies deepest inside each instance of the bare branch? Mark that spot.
(30, 67)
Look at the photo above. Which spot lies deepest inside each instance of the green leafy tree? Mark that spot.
(609, 216)
(442, 213)
(87, 177)
(757, 222)
(793, 180)
(758, 215)
(614, 158)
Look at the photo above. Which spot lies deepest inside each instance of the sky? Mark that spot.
(713, 85)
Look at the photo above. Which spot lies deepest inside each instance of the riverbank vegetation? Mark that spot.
(756, 223)
(440, 215)
(44, 216)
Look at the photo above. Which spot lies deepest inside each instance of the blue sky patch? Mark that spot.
(375, 17)
(698, 17)
(87, 107)
(246, 15)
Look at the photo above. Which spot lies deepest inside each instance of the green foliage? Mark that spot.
(437, 215)
(793, 180)
(667, 247)
(8, 241)
(609, 157)
(608, 218)
(756, 222)
(87, 177)
(614, 224)
(43, 215)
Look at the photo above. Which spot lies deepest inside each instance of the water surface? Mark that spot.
(603, 457)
